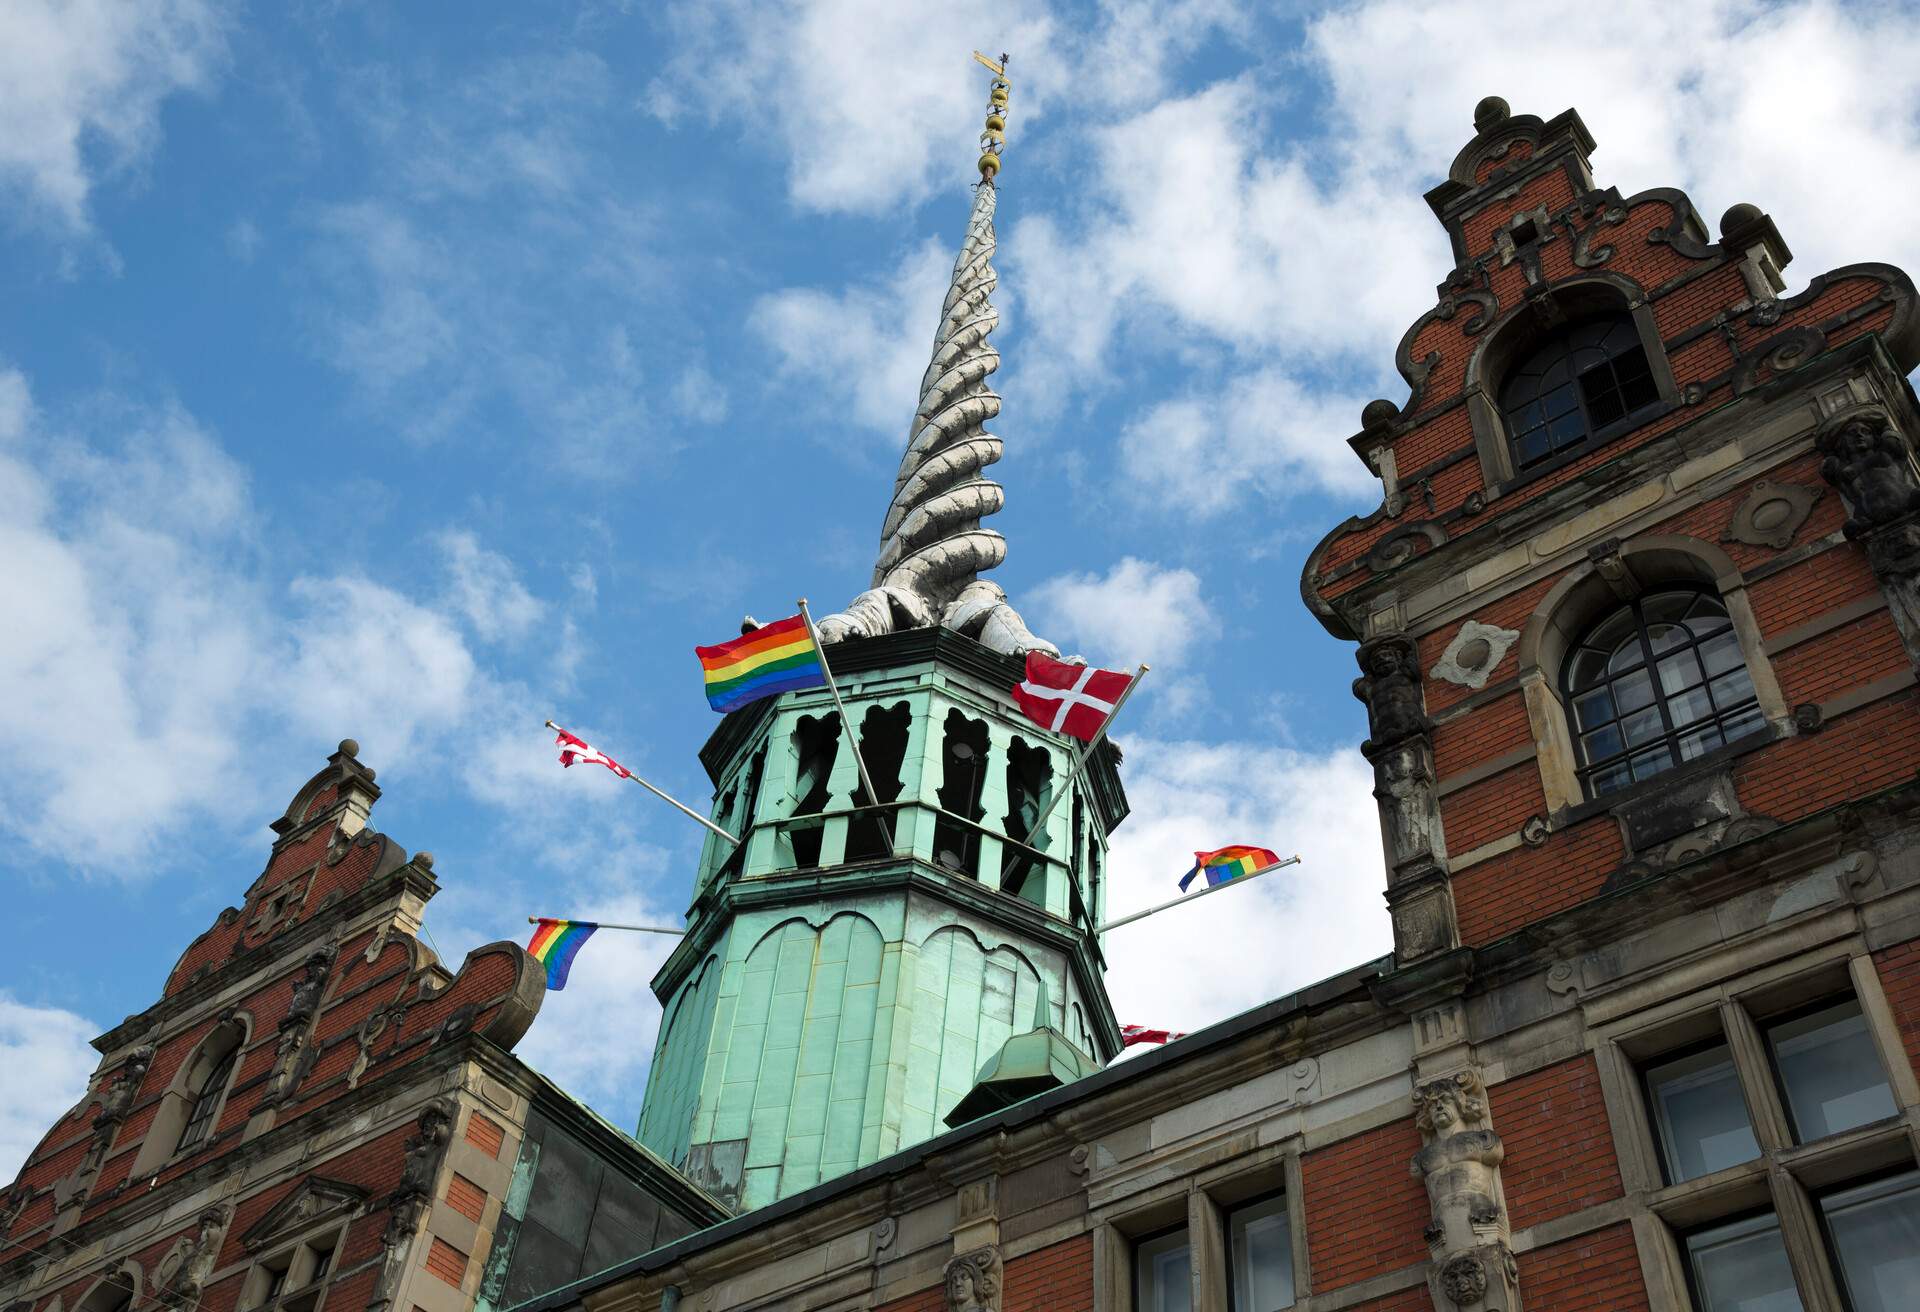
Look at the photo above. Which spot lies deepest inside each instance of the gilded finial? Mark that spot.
(993, 137)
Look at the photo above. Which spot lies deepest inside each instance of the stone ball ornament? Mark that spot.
(1740, 216)
(1490, 112)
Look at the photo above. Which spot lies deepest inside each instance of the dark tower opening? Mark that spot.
(1029, 789)
(963, 774)
(816, 745)
(883, 743)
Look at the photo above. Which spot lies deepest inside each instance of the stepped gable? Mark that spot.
(322, 979)
(1538, 242)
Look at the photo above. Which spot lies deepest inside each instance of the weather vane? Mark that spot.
(993, 138)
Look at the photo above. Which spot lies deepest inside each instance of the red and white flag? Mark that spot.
(1132, 1034)
(575, 752)
(1075, 699)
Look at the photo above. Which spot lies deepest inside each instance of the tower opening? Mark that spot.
(815, 746)
(883, 743)
(1029, 789)
(963, 774)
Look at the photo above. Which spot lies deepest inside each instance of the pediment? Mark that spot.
(314, 1199)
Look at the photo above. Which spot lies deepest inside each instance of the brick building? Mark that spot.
(1637, 623)
(316, 1115)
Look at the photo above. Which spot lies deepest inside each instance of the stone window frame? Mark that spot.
(308, 1296)
(1786, 1178)
(162, 1142)
(1588, 593)
(124, 1277)
(1199, 1202)
(1521, 331)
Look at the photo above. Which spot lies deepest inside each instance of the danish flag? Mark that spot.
(1075, 699)
(1132, 1034)
(575, 752)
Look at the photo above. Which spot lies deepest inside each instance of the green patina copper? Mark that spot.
(847, 973)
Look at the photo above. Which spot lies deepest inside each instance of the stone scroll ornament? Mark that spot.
(1471, 1263)
(933, 548)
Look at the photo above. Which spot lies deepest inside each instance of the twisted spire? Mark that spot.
(933, 548)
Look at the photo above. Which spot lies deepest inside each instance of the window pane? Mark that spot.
(1668, 606)
(1830, 1071)
(1163, 1274)
(1260, 1256)
(1639, 390)
(1611, 779)
(1634, 691)
(1533, 446)
(1876, 1235)
(1742, 1268)
(1588, 664)
(1568, 429)
(1730, 690)
(1643, 727)
(1602, 743)
(1593, 708)
(1721, 652)
(1696, 743)
(1699, 1115)
(1746, 722)
(1679, 670)
(1694, 704)
(1603, 402)
(1648, 764)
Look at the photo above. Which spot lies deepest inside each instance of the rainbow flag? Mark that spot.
(554, 945)
(774, 658)
(1226, 863)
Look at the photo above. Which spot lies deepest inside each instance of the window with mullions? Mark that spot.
(1260, 1256)
(1163, 1273)
(207, 1100)
(1586, 379)
(1658, 682)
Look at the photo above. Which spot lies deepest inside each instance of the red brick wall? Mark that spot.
(1498, 896)
(1560, 1155)
(1364, 1209)
(1056, 1279)
(1899, 968)
(1598, 1272)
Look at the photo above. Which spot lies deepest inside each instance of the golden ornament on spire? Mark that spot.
(993, 138)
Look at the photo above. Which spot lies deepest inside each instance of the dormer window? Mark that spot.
(1576, 386)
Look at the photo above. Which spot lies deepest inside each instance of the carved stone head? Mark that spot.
(1450, 1105)
(973, 1281)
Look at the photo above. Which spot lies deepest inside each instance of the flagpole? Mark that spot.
(1194, 897)
(1046, 812)
(601, 924)
(853, 731)
(671, 801)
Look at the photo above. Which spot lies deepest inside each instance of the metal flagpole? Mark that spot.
(601, 924)
(1191, 897)
(671, 801)
(1073, 775)
(853, 730)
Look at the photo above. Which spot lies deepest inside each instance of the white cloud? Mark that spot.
(81, 86)
(1259, 435)
(486, 589)
(1693, 99)
(1194, 965)
(45, 1053)
(846, 90)
(700, 396)
(149, 632)
(861, 352)
(1138, 610)
(244, 240)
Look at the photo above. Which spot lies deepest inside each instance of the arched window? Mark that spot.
(208, 1095)
(1577, 384)
(1658, 682)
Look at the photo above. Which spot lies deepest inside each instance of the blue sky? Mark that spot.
(414, 373)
